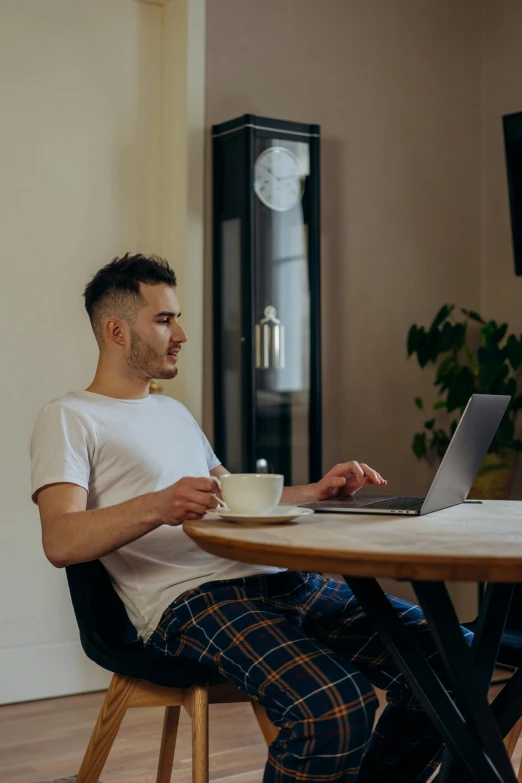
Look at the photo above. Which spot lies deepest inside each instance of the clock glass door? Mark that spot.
(282, 309)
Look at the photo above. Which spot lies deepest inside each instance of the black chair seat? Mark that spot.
(109, 638)
(510, 652)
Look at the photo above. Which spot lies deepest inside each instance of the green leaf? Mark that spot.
(448, 378)
(419, 403)
(460, 389)
(473, 315)
(429, 424)
(500, 386)
(424, 350)
(413, 339)
(514, 351)
(488, 331)
(439, 404)
(446, 370)
(510, 387)
(500, 333)
(446, 337)
(441, 316)
(439, 442)
(419, 445)
(491, 361)
(434, 344)
(516, 403)
(459, 336)
(505, 433)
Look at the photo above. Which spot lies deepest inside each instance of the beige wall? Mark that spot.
(501, 94)
(395, 87)
(501, 296)
(80, 91)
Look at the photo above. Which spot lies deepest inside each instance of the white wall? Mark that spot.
(80, 98)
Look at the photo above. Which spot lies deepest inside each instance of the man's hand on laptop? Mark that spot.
(188, 498)
(344, 480)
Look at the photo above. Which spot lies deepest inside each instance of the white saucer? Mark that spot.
(278, 514)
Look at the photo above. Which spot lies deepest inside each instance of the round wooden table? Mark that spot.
(470, 542)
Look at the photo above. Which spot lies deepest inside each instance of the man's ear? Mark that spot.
(115, 331)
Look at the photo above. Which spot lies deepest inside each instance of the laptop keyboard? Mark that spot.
(398, 503)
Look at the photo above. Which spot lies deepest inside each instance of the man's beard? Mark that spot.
(146, 363)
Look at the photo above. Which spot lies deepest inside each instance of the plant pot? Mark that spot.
(495, 477)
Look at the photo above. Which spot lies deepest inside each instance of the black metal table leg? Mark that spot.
(469, 687)
(491, 621)
(481, 766)
(490, 627)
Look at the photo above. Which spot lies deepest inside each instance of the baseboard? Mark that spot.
(47, 670)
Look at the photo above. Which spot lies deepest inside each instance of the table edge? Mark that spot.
(411, 567)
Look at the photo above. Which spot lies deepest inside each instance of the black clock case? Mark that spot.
(234, 199)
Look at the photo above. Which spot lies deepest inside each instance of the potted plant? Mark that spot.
(467, 363)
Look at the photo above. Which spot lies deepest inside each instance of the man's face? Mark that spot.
(156, 337)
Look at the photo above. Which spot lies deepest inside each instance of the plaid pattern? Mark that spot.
(301, 645)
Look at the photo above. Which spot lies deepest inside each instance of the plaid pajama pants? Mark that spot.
(301, 645)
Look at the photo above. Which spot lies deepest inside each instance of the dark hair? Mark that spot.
(117, 284)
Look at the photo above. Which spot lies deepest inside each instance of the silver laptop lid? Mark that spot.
(465, 453)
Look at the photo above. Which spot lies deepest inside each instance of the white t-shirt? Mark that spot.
(117, 450)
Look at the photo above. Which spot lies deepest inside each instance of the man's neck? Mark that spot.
(115, 392)
(121, 388)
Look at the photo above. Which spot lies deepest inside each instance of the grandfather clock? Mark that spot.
(266, 277)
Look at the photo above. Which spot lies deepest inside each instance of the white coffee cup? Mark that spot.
(251, 493)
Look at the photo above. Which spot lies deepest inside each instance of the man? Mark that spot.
(115, 472)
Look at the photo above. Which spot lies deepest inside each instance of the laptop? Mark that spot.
(456, 472)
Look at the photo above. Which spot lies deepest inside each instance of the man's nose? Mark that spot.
(179, 335)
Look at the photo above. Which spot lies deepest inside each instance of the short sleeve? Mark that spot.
(59, 449)
(212, 460)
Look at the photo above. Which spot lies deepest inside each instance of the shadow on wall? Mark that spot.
(228, 110)
(335, 274)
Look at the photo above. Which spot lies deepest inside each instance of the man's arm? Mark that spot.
(71, 534)
(344, 479)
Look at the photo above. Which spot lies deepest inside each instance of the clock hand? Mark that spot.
(269, 170)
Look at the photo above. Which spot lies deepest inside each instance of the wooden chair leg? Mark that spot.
(270, 731)
(168, 744)
(109, 721)
(512, 738)
(196, 705)
(511, 743)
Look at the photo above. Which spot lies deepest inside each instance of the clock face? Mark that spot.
(278, 181)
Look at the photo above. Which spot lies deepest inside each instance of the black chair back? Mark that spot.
(100, 614)
(514, 619)
(510, 652)
(110, 640)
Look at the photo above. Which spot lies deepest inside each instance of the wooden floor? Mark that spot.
(45, 740)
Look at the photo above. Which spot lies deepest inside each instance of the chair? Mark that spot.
(144, 679)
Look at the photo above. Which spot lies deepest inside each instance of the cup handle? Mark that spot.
(221, 502)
